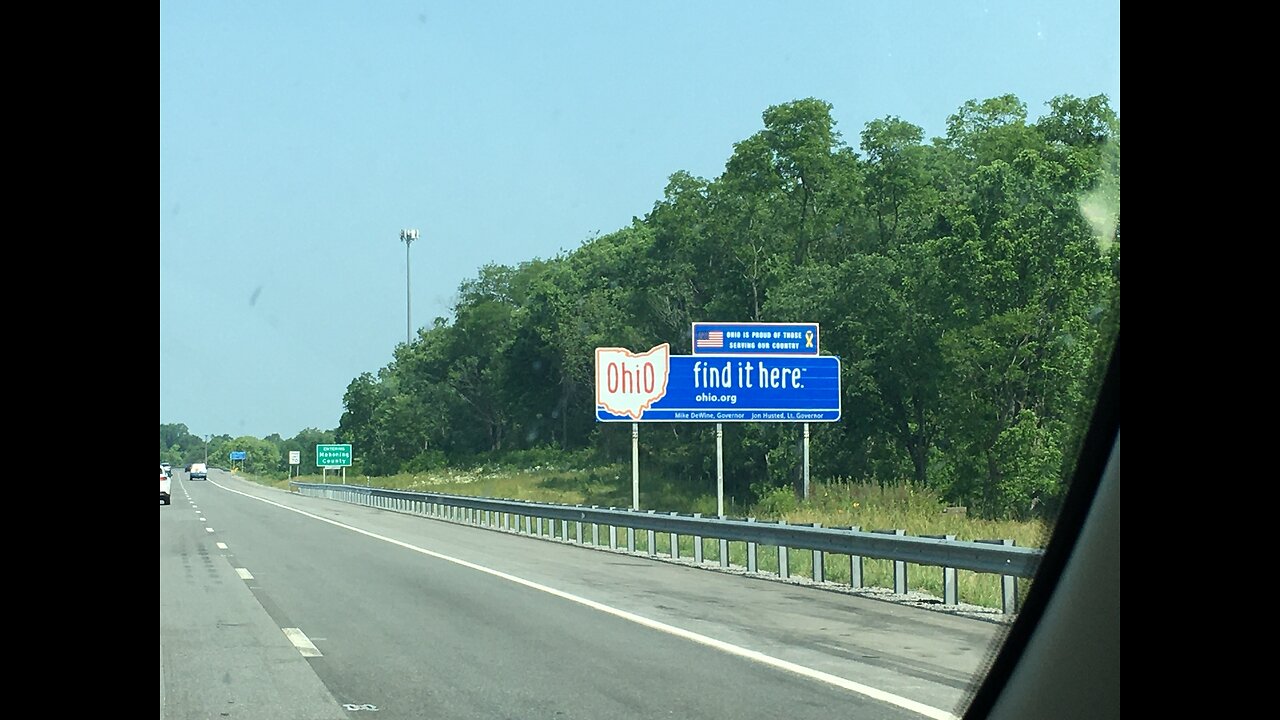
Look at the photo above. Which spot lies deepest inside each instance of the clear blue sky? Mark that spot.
(298, 138)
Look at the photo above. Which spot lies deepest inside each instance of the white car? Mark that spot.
(165, 484)
(197, 472)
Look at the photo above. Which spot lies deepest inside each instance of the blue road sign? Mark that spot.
(740, 338)
(237, 454)
(655, 387)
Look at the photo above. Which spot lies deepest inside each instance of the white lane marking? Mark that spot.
(202, 519)
(875, 693)
(300, 641)
(222, 546)
(244, 574)
(208, 529)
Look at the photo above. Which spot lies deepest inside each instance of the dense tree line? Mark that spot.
(969, 283)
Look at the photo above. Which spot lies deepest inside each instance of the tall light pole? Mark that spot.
(408, 235)
(206, 449)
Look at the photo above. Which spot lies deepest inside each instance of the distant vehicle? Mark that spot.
(165, 483)
(197, 471)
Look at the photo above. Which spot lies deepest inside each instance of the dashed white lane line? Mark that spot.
(302, 642)
(208, 529)
(244, 574)
(222, 546)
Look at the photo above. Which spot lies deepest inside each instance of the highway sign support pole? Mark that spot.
(720, 470)
(635, 466)
(806, 461)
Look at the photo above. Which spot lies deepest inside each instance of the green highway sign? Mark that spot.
(333, 456)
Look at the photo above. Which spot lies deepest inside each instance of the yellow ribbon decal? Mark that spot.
(808, 338)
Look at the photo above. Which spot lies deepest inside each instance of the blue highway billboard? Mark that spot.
(657, 387)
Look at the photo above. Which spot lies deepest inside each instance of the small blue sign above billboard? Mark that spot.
(739, 338)
(655, 387)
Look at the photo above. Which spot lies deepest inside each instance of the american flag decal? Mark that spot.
(712, 339)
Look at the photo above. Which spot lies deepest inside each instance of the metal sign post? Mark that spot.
(720, 470)
(635, 466)
(806, 461)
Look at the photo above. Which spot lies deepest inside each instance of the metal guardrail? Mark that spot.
(999, 557)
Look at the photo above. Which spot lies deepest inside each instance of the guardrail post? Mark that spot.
(613, 534)
(783, 570)
(819, 571)
(724, 552)
(595, 530)
(899, 567)
(751, 552)
(675, 541)
(855, 566)
(697, 544)
(950, 593)
(539, 527)
(631, 540)
(653, 545)
(1008, 584)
